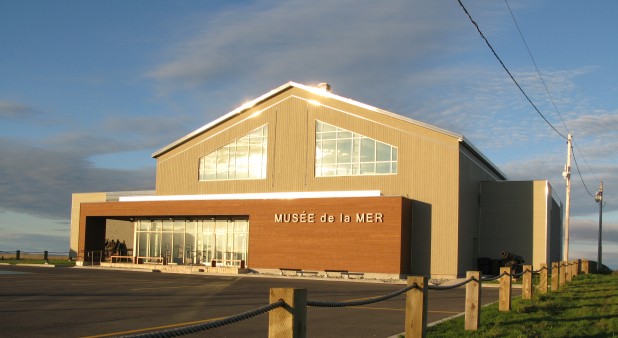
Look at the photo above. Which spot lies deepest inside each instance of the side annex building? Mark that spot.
(303, 178)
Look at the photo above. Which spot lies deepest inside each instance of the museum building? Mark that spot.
(301, 178)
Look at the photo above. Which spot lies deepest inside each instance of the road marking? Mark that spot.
(376, 308)
(6, 272)
(447, 312)
(399, 309)
(155, 328)
(124, 281)
(180, 287)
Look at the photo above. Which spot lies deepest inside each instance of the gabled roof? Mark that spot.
(325, 93)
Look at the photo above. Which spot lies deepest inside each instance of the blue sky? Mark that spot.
(90, 89)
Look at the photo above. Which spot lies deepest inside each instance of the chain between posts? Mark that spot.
(180, 331)
(454, 286)
(541, 269)
(249, 314)
(489, 279)
(517, 275)
(360, 302)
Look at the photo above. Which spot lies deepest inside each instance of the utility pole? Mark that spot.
(567, 176)
(599, 199)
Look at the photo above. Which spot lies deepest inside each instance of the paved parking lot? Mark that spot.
(87, 302)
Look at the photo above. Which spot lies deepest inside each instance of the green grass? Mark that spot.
(38, 261)
(586, 307)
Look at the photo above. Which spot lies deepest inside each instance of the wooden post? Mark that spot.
(569, 270)
(289, 321)
(585, 267)
(416, 308)
(555, 275)
(473, 301)
(505, 290)
(543, 278)
(576, 265)
(562, 274)
(526, 292)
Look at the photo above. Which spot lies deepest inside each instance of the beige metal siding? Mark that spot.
(471, 173)
(514, 217)
(428, 168)
(541, 219)
(507, 219)
(555, 235)
(76, 201)
(177, 171)
(289, 157)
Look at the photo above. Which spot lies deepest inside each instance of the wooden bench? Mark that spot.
(355, 275)
(286, 270)
(335, 273)
(304, 273)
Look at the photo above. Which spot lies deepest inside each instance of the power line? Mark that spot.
(535, 66)
(548, 93)
(524, 93)
(507, 70)
(580, 174)
(587, 164)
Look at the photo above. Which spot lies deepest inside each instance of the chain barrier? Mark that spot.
(517, 275)
(318, 303)
(180, 331)
(489, 279)
(541, 269)
(195, 328)
(454, 286)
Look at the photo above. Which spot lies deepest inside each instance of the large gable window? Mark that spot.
(245, 158)
(340, 152)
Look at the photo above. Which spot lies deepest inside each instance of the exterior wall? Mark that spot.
(514, 218)
(471, 172)
(555, 230)
(77, 200)
(367, 246)
(541, 220)
(427, 169)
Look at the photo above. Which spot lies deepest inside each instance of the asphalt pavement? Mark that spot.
(91, 302)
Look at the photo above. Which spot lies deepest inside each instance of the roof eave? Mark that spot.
(321, 92)
(244, 107)
(482, 157)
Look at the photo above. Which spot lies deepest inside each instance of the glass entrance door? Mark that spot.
(225, 241)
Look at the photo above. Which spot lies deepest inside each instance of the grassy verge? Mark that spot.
(38, 261)
(586, 307)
